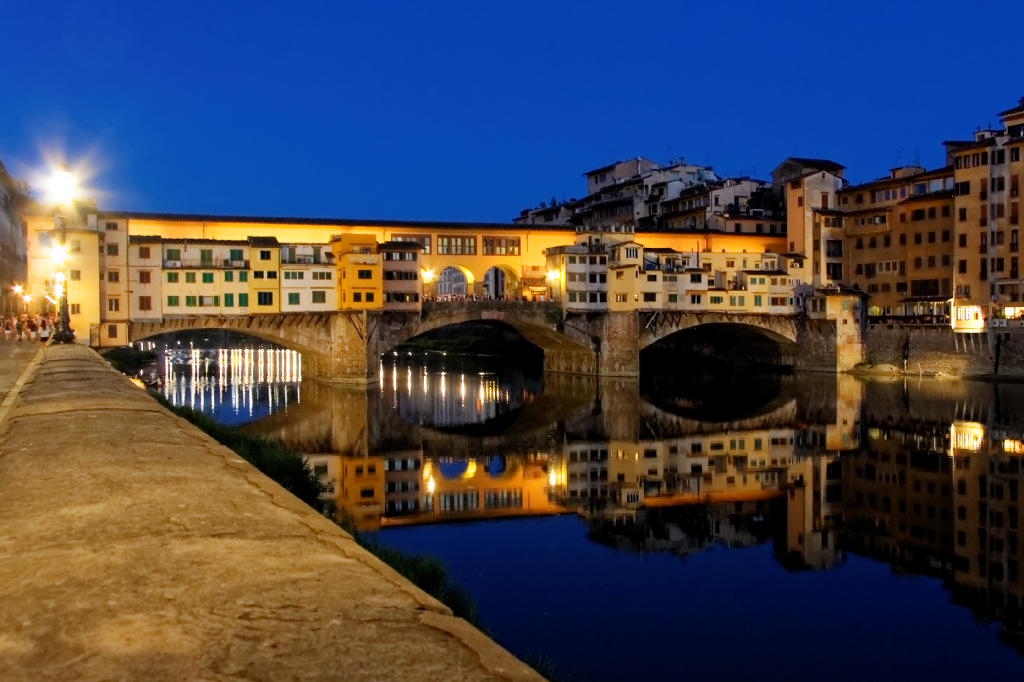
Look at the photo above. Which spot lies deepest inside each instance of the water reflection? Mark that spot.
(922, 475)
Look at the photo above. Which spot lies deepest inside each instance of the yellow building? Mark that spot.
(359, 272)
(899, 243)
(265, 267)
(204, 277)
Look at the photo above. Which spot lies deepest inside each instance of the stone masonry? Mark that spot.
(134, 547)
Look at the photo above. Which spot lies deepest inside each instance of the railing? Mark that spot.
(304, 260)
(206, 264)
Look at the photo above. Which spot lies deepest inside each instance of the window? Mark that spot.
(903, 239)
(293, 298)
(111, 227)
(264, 298)
(931, 237)
(75, 275)
(501, 246)
(917, 237)
(144, 277)
(271, 274)
(190, 301)
(369, 296)
(206, 256)
(451, 245)
(264, 255)
(696, 278)
(173, 302)
(111, 249)
(243, 300)
(357, 297)
(962, 267)
(650, 296)
(319, 297)
(294, 274)
(243, 275)
(962, 215)
(172, 277)
(113, 305)
(190, 278)
(207, 278)
(229, 276)
(113, 276)
(145, 303)
(757, 301)
(75, 246)
(256, 274)
(419, 239)
(112, 330)
(695, 299)
(173, 254)
(229, 300)
(673, 298)
(236, 254)
(76, 308)
(327, 275)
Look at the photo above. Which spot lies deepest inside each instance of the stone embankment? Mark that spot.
(133, 546)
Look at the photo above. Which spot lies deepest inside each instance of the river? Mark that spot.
(794, 527)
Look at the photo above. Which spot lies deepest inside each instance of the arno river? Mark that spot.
(784, 527)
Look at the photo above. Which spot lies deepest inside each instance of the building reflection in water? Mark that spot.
(234, 385)
(924, 476)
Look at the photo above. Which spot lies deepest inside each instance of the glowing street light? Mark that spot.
(428, 275)
(63, 188)
(58, 254)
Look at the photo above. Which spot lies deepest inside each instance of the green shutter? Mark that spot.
(172, 302)
(228, 276)
(216, 301)
(243, 276)
(229, 300)
(190, 301)
(172, 277)
(243, 300)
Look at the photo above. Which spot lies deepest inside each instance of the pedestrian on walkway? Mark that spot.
(7, 329)
(20, 327)
(44, 331)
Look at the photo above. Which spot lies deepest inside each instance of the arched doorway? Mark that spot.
(501, 282)
(454, 282)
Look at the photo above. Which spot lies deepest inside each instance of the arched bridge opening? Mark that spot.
(718, 371)
(536, 323)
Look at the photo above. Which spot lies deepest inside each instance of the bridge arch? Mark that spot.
(659, 325)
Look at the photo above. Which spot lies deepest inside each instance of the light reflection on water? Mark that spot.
(233, 385)
(860, 480)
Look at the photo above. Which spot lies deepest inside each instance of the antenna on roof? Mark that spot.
(899, 157)
(917, 157)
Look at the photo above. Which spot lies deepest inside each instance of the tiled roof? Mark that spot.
(322, 222)
(534, 282)
(264, 242)
(144, 239)
(822, 164)
(962, 145)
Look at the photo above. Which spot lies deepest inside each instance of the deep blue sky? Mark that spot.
(472, 110)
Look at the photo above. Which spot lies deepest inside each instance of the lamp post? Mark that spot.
(63, 187)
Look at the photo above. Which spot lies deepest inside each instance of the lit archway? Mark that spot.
(501, 282)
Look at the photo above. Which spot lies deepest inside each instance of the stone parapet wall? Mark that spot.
(138, 548)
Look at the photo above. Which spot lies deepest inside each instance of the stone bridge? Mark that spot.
(346, 346)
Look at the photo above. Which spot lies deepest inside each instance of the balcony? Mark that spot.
(200, 264)
(304, 260)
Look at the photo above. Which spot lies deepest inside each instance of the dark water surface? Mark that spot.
(778, 526)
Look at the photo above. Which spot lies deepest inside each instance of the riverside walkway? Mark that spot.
(134, 547)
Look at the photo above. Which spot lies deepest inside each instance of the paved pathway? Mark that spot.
(134, 547)
(14, 358)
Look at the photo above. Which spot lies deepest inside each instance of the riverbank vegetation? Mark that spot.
(128, 360)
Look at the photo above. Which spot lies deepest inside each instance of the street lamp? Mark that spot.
(62, 186)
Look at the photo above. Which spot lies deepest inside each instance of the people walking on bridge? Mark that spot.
(19, 328)
(8, 328)
(44, 331)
